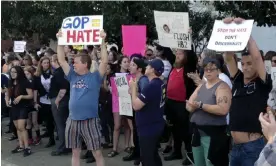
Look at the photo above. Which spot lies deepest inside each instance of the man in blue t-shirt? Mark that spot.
(83, 122)
(149, 107)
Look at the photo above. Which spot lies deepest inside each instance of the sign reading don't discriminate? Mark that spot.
(230, 37)
(81, 30)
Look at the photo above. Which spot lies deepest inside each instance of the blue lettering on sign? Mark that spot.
(75, 23)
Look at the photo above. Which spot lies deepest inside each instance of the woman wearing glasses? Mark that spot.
(209, 105)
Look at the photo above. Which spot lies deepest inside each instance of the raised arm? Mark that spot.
(104, 55)
(61, 57)
(231, 63)
(256, 55)
(223, 97)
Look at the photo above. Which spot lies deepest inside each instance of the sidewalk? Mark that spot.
(41, 156)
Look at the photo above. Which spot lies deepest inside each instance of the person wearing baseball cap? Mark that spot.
(149, 107)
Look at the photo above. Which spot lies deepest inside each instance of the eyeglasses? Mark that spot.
(149, 54)
(26, 59)
(209, 70)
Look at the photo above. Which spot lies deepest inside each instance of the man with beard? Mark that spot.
(250, 93)
(180, 88)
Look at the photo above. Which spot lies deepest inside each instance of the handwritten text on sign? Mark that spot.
(230, 37)
(172, 29)
(81, 30)
(125, 106)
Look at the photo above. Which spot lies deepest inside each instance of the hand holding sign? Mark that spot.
(103, 34)
(235, 20)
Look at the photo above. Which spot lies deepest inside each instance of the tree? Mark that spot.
(45, 17)
(263, 12)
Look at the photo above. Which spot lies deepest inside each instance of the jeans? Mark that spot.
(246, 154)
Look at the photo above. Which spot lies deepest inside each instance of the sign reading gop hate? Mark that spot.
(81, 30)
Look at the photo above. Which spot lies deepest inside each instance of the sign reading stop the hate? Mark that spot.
(230, 37)
(81, 30)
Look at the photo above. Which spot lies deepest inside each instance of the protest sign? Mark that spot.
(78, 47)
(268, 66)
(121, 99)
(273, 75)
(230, 37)
(19, 46)
(134, 39)
(173, 29)
(81, 30)
(240, 66)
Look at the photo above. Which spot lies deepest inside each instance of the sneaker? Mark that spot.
(167, 149)
(27, 152)
(37, 141)
(17, 150)
(31, 141)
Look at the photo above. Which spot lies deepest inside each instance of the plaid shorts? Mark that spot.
(87, 130)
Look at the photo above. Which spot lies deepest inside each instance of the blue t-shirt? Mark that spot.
(142, 83)
(84, 95)
(149, 119)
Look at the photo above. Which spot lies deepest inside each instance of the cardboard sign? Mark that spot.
(134, 39)
(268, 66)
(173, 29)
(121, 99)
(230, 37)
(81, 30)
(19, 46)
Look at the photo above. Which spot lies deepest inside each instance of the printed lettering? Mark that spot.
(241, 30)
(75, 23)
(231, 37)
(222, 30)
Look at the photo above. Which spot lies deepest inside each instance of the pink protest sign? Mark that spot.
(115, 96)
(134, 39)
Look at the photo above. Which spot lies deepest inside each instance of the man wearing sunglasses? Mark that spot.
(251, 87)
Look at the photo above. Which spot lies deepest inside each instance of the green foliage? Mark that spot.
(263, 12)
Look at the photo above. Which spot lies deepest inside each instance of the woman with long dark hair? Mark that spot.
(19, 98)
(42, 102)
(33, 114)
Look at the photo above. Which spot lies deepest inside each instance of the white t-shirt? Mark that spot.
(167, 68)
(227, 80)
(46, 84)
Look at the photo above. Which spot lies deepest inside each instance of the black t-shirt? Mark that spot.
(21, 91)
(248, 101)
(58, 82)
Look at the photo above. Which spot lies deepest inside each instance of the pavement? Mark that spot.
(41, 156)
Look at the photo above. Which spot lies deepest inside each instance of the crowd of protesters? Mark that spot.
(203, 101)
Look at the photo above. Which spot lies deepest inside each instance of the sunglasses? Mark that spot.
(149, 54)
(274, 61)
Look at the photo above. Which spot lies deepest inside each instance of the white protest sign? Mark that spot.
(125, 105)
(81, 30)
(19, 46)
(230, 37)
(268, 66)
(173, 29)
(273, 75)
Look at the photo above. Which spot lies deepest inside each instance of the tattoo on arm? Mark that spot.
(222, 99)
(61, 94)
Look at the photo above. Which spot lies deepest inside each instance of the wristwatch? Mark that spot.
(200, 105)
